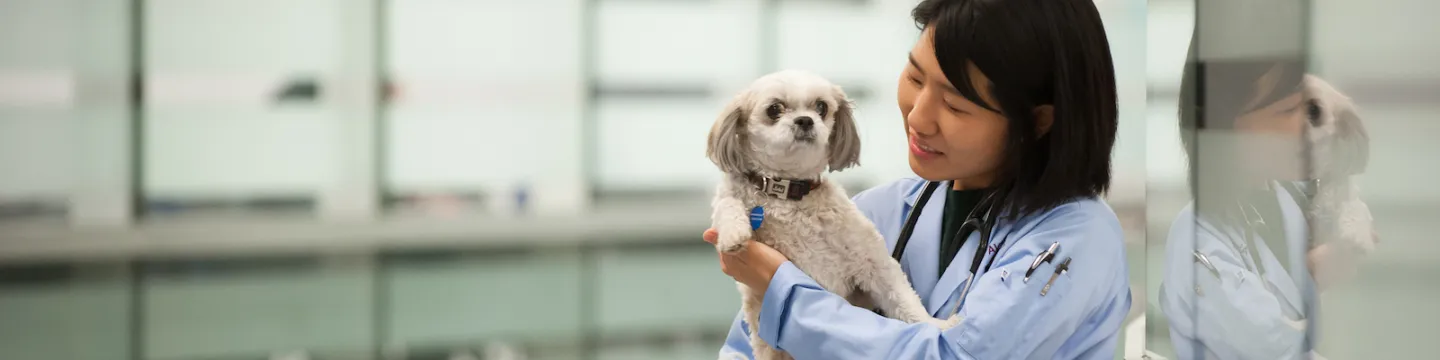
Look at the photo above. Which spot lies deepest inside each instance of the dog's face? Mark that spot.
(789, 123)
(1340, 145)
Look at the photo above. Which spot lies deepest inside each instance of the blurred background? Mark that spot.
(484, 179)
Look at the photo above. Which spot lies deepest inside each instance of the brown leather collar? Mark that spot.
(790, 189)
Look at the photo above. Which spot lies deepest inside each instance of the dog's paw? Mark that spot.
(731, 244)
(944, 324)
(1357, 228)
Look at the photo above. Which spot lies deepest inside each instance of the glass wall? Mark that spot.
(1285, 144)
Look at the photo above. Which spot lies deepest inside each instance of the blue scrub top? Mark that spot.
(1004, 318)
(1238, 314)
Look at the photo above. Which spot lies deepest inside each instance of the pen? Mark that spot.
(1064, 266)
(1044, 257)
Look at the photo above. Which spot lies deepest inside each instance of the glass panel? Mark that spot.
(1383, 59)
(70, 312)
(234, 113)
(646, 93)
(1169, 24)
(38, 43)
(238, 308)
(483, 104)
(1257, 131)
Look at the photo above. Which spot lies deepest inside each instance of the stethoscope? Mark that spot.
(983, 224)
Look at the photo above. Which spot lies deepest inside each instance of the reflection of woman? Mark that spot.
(1240, 262)
(1007, 100)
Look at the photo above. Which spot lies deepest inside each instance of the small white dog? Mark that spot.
(1339, 150)
(774, 141)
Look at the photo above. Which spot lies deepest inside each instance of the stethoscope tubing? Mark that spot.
(981, 224)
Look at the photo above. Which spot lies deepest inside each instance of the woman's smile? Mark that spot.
(919, 150)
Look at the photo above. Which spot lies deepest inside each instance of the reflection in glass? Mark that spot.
(1276, 218)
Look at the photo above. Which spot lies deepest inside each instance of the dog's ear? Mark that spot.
(1352, 141)
(1349, 143)
(726, 146)
(844, 138)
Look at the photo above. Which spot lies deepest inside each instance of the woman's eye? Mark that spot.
(822, 108)
(955, 109)
(774, 111)
(913, 80)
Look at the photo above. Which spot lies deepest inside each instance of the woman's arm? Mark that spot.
(737, 342)
(1004, 317)
(1235, 316)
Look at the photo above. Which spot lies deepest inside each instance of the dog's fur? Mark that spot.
(1339, 150)
(823, 234)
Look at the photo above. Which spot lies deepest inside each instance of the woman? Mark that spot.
(1009, 105)
(1240, 264)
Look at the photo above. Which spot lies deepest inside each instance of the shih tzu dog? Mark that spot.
(1339, 150)
(774, 141)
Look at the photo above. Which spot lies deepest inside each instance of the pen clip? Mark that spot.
(1203, 260)
(1044, 257)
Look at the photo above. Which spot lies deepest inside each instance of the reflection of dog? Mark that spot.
(774, 141)
(1340, 149)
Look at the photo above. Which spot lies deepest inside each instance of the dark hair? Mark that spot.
(1035, 52)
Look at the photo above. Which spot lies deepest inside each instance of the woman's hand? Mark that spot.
(754, 265)
(1331, 265)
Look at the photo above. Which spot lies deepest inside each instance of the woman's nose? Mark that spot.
(921, 118)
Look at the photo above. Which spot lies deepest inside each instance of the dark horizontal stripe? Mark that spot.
(163, 206)
(1363, 93)
(202, 266)
(669, 194)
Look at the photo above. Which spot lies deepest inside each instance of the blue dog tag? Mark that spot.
(757, 216)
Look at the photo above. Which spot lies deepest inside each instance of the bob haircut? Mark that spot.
(1035, 52)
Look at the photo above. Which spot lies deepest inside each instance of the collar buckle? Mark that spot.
(777, 188)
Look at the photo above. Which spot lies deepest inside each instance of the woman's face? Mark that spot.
(1271, 136)
(950, 138)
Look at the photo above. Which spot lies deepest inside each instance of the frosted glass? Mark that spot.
(85, 320)
(36, 33)
(459, 149)
(695, 297)
(36, 93)
(257, 313)
(678, 41)
(497, 39)
(484, 96)
(36, 149)
(214, 68)
(647, 143)
(271, 35)
(517, 297)
(840, 42)
(219, 152)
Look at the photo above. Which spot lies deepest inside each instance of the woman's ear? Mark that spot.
(1044, 117)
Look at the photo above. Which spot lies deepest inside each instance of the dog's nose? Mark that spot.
(804, 122)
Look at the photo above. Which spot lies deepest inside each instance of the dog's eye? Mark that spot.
(822, 108)
(774, 111)
(1312, 110)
